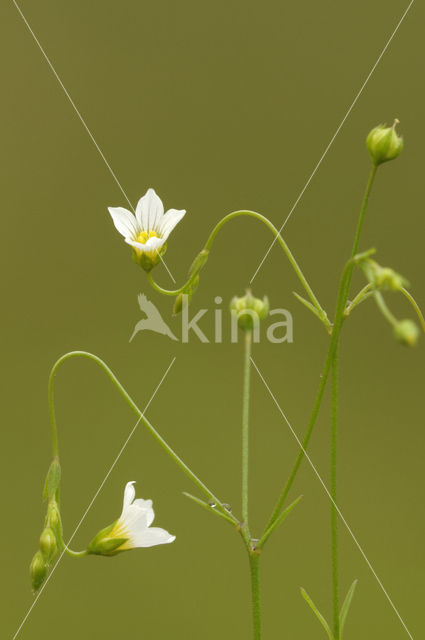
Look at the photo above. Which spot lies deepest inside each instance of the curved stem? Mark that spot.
(379, 299)
(280, 240)
(254, 560)
(333, 486)
(339, 319)
(245, 431)
(416, 307)
(173, 455)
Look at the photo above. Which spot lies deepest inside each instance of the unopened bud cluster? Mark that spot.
(249, 310)
(383, 277)
(48, 544)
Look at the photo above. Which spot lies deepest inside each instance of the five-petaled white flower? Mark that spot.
(146, 231)
(132, 529)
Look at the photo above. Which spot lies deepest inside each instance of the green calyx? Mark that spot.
(149, 260)
(383, 143)
(105, 545)
(38, 571)
(249, 311)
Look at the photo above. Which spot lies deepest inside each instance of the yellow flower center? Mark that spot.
(144, 236)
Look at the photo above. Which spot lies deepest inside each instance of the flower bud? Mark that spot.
(38, 571)
(249, 310)
(48, 544)
(384, 277)
(185, 297)
(199, 262)
(384, 143)
(406, 332)
(53, 515)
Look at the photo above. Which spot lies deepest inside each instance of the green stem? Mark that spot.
(338, 321)
(333, 485)
(280, 240)
(173, 455)
(416, 307)
(379, 299)
(254, 560)
(245, 431)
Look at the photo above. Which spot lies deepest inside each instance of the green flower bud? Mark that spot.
(178, 304)
(406, 332)
(384, 277)
(38, 571)
(384, 143)
(53, 515)
(199, 262)
(249, 310)
(186, 296)
(48, 544)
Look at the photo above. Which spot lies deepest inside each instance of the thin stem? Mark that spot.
(338, 321)
(416, 307)
(254, 560)
(173, 455)
(333, 486)
(379, 298)
(280, 240)
(245, 430)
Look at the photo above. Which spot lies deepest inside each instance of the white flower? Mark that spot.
(146, 231)
(134, 523)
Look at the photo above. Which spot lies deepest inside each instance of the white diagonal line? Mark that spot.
(83, 122)
(347, 526)
(322, 157)
(94, 498)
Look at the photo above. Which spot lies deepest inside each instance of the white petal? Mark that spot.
(151, 246)
(124, 221)
(151, 537)
(129, 494)
(169, 221)
(147, 506)
(149, 211)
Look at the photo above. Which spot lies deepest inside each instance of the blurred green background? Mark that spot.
(218, 106)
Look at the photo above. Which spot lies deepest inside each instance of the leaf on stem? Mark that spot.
(277, 522)
(312, 308)
(317, 612)
(346, 605)
(209, 507)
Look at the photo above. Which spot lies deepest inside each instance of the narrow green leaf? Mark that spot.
(277, 522)
(53, 479)
(307, 304)
(208, 507)
(317, 612)
(346, 605)
(317, 312)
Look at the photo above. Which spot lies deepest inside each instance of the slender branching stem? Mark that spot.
(173, 455)
(253, 214)
(254, 561)
(333, 491)
(245, 429)
(337, 325)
